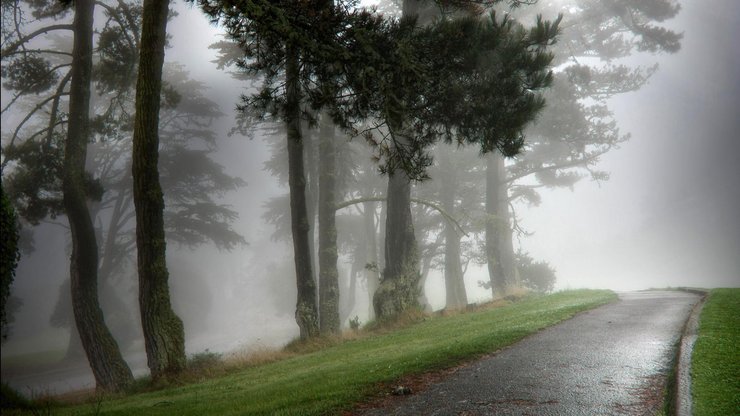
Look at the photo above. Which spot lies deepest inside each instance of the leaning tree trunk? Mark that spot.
(164, 337)
(110, 370)
(328, 273)
(306, 313)
(454, 283)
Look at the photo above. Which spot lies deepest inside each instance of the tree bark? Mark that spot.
(306, 313)
(398, 290)
(110, 370)
(399, 287)
(456, 297)
(328, 274)
(164, 337)
(499, 247)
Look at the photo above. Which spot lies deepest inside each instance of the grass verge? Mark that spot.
(335, 378)
(715, 361)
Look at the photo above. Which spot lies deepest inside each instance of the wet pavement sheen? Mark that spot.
(612, 360)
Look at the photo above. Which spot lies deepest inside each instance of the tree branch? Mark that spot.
(14, 46)
(430, 204)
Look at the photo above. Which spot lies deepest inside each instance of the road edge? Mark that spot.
(682, 400)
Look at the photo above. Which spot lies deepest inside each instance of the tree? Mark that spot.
(110, 370)
(536, 275)
(578, 127)
(191, 181)
(164, 338)
(479, 99)
(328, 274)
(8, 260)
(293, 45)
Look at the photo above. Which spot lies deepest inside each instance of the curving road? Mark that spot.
(612, 360)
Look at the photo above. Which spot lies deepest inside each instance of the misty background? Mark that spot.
(668, 215)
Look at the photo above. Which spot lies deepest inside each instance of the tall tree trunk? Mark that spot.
(164, 337)
(110, 370)
(398, 289)
(306, 313)
(454, 284)
(496, 223)
(328, 273)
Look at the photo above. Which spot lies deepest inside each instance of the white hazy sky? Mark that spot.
(669, 214)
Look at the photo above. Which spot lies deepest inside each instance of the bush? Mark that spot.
(536, 275)
(205, 360)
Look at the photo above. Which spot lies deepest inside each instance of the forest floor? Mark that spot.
(330, 376)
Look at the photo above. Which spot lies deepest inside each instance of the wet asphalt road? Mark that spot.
(608, 361)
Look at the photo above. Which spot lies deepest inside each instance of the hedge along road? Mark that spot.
(608, 361)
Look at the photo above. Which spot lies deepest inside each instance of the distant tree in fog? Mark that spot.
(577, 127)
(535, 275)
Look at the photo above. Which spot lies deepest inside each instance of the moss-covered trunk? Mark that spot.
(163, 330)
(328, 273)
(110, 370)
(306, 313)
(398, 289)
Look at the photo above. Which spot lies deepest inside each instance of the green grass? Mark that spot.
(715, 362)
(335, 378)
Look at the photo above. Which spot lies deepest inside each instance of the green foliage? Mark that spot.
(333, 379)
(31, 74)
(9, 256)
(361, 66)
(715, 362)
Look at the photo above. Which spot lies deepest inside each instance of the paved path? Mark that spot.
(609, 361)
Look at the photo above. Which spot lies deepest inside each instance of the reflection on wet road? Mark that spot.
(609, 361)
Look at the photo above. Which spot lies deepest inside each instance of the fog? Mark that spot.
(666, 217)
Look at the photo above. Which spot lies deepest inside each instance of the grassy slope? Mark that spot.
(334, 378)
(715, 362)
